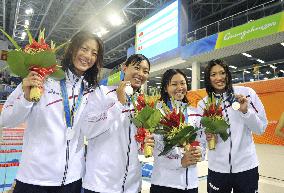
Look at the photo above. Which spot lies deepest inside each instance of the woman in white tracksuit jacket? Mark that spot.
(176, 172)
(112, 164)
(234, 164)
(49, 162)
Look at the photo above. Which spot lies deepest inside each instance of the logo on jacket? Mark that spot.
(213, 187)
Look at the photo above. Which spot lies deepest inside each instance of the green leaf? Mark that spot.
(144, 114)
(29, 35)
(153, 120)
(16, 63)
(43, 59)
(60, 46)
(11, 39)
(216, 127)
(186, 135)
(58, 74)
(137, 122)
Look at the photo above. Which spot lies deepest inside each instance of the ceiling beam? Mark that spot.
(59, 18)
(4, 15)
(44, 16)
(16, 17)
(92, 18)
(222, 10)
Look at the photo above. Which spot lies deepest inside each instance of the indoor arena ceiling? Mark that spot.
(63, 18)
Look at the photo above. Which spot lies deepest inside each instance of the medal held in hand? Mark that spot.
(128, 89)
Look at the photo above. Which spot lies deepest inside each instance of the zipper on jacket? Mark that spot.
(230, 133)
(68, 141)
(66, 165)
(128, 151)
(186, 179)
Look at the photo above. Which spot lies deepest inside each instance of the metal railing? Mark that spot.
(254, 13)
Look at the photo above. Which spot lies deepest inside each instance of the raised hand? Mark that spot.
(33, 79)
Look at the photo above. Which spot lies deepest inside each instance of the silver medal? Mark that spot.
(236, 106)
(128, 89)
(70, 133)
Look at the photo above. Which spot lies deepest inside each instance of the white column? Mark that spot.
(195, 76)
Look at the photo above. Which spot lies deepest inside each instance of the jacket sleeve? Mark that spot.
(255, 118)
(170, 161)
(99, 114)
(16, 109)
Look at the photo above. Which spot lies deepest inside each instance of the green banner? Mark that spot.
(114, 79)
(252, 30)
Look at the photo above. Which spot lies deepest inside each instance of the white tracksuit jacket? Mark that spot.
(112, 164)
(168, 170)
(44, 159)
(238, 154)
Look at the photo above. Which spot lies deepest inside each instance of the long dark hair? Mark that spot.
(136, 59)
(91, 75)
(209, 88)
(166, 79)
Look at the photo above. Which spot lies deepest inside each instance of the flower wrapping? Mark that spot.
(175, 129)
(146, 118)
(35, 54)
(213, 120)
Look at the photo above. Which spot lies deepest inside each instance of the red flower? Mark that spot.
(173, 119)
(140, 136)
(35, 46)
(213, 110)
(195, 143)
(141, 100)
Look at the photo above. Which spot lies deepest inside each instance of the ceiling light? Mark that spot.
(247, 55)
(234, 67)
(201, 80)
(188, 77)
(27, 23)
(23, 36)
(158, 77)
(115, 20)
(189, 68)
(102, 31)
(202, 72)
(158, 83)
(282, 44)
(29, 11)
(246, 71)
(260, 61)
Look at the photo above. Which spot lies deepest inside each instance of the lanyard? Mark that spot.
(69, 114)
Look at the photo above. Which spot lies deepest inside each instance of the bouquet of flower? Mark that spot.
(213, 121)
(36, 56)
(175, 129)
(146, 118)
